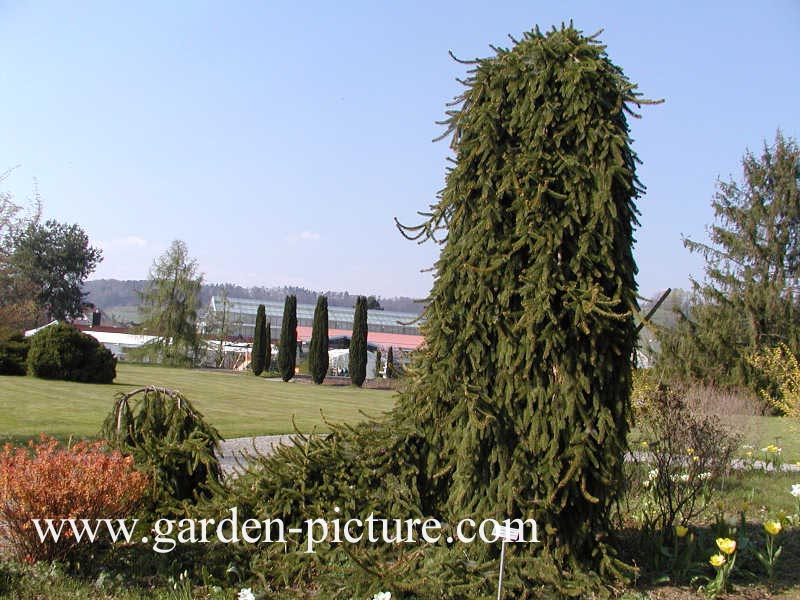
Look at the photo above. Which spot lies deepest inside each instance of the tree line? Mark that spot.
(43, 265)
(750, 297)
(109, 293)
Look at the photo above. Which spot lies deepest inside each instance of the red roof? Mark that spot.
(382, 340)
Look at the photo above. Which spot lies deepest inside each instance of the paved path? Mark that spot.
(242, 448)
(238, 450)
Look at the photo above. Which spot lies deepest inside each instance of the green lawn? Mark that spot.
(237, 404)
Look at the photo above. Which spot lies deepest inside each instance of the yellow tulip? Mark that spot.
(726, 545)
(717, 560)
(772, 527)
(681, 531)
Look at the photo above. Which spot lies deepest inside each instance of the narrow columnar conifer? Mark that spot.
(268, 348)
(287, 348)
(391, 373)
(318, 348)
(522, 387)
(378, 363)
(259, 341)
(357, 365)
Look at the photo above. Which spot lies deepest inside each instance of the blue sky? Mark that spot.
(279, 139)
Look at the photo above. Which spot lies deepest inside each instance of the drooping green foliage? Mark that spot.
(523, 384)
(260, 343)
(287, 347)
(517, 405)
(169, 440)
(357, 360)
(62, 352)
(749, 297)
(318, 348)
(169, 306)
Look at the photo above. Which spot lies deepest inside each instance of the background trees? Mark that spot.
(357, 363)
(287, 346)
(260, 341)
(749, 298)
(318, 348)
(56, 258)
(169, 305)
(42, 266)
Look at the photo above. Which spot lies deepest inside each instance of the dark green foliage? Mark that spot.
(14, 354)
(523, 384)
(378, 363)
(62, 352)
(56, 258)
(357, 360)
(260, 342)
(287, 347)
(391, 370)
(517, 405)
(268, 347)
(318, 348)
(169, 440)
(749, 297)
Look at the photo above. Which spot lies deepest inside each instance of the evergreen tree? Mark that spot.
(268, 347)
(378, 364)
(56, 259)
(517, 405)
(522, 387)
(391, 372)
(318, 349)
(357, 364)
(260, 343)
(287, 347)
(169, 306)
(749, 297)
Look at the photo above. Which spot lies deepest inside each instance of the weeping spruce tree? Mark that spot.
(522, 388)
(517, 404)
(318, 348)
(287, 346)
(260, 343)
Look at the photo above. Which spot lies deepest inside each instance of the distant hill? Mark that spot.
(110, 294)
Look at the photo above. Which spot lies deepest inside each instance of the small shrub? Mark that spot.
(13, 354)
(678, 459)
(779, 366)
(48, 481)
(62, 352)
(168, 439)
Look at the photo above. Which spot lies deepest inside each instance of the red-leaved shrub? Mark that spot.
(49, 481)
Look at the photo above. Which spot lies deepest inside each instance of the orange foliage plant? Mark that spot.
(50, 481)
